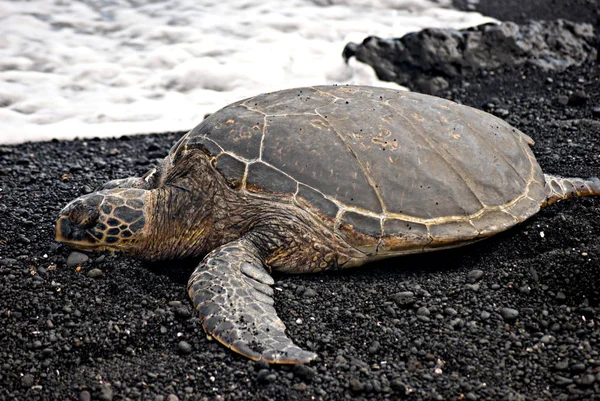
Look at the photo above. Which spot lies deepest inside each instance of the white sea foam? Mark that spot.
(113, 67)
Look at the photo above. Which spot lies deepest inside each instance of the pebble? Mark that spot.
(356, 385)
(184, 347)
(27, 380)
(485, 315)
(263, 376)
(172, 397)
(474, 276)
(578, 98)
(309, 292)
(95, 273)
(509, 314)
(106, 393)
(85, 396)
(450, 311)
(423, 311)
(404, 298)
(587, 380)
(8, 262)
(304, 372)
(77, 259)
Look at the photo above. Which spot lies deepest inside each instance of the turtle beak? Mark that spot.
(75, 225)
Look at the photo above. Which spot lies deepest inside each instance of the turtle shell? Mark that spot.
(389, 171)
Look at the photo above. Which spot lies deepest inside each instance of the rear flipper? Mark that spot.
(231, 291)
(559, 188)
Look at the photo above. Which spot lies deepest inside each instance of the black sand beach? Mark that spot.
(511, 318)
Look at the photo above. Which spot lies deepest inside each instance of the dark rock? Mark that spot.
(85, 396)
(423, 60)
(184, 347)
(106, 393)
(356, 385)
(578, 98)
(77, 259)
(509, 314)
(27, 380)
(95, 273)
(474, 276)
(404, 298)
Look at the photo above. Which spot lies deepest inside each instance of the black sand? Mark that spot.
(66, 335)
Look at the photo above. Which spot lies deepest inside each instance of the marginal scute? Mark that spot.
(264, 179)
(315, 200)
(522, 208)
(537, 192)
(402, 234)
(231, 168)
(451, 232)
(494, 221)
(360, 230)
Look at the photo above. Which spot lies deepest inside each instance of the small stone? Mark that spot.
(562, 100)
(587, 380)
(474, 276)
(27, 380)
(304, 372)
(356, 385)
(106, 393)
(95, 273)
(340, 361)
(423, 311)
(8, 262)
(398, 385)
(260, 376)
(300, 386)
(485, 315)
(578, 98)
(309, 292)
(450, 311)
(509, 314)
(184, 347)
(77, 259)
(172, 397)
(85, 396)
(472, 287)
(501, 112)
(561, 297)
(596, 111)
(404, 298)
(578, 368)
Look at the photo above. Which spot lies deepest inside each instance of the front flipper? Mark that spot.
(231, 291)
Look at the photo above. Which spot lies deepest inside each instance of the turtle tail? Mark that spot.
(559, 188)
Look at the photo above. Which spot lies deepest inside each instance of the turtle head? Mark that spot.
(111, 219)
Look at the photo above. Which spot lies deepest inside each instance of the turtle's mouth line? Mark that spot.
(82, 245)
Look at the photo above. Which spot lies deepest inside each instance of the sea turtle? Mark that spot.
(311, 179)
